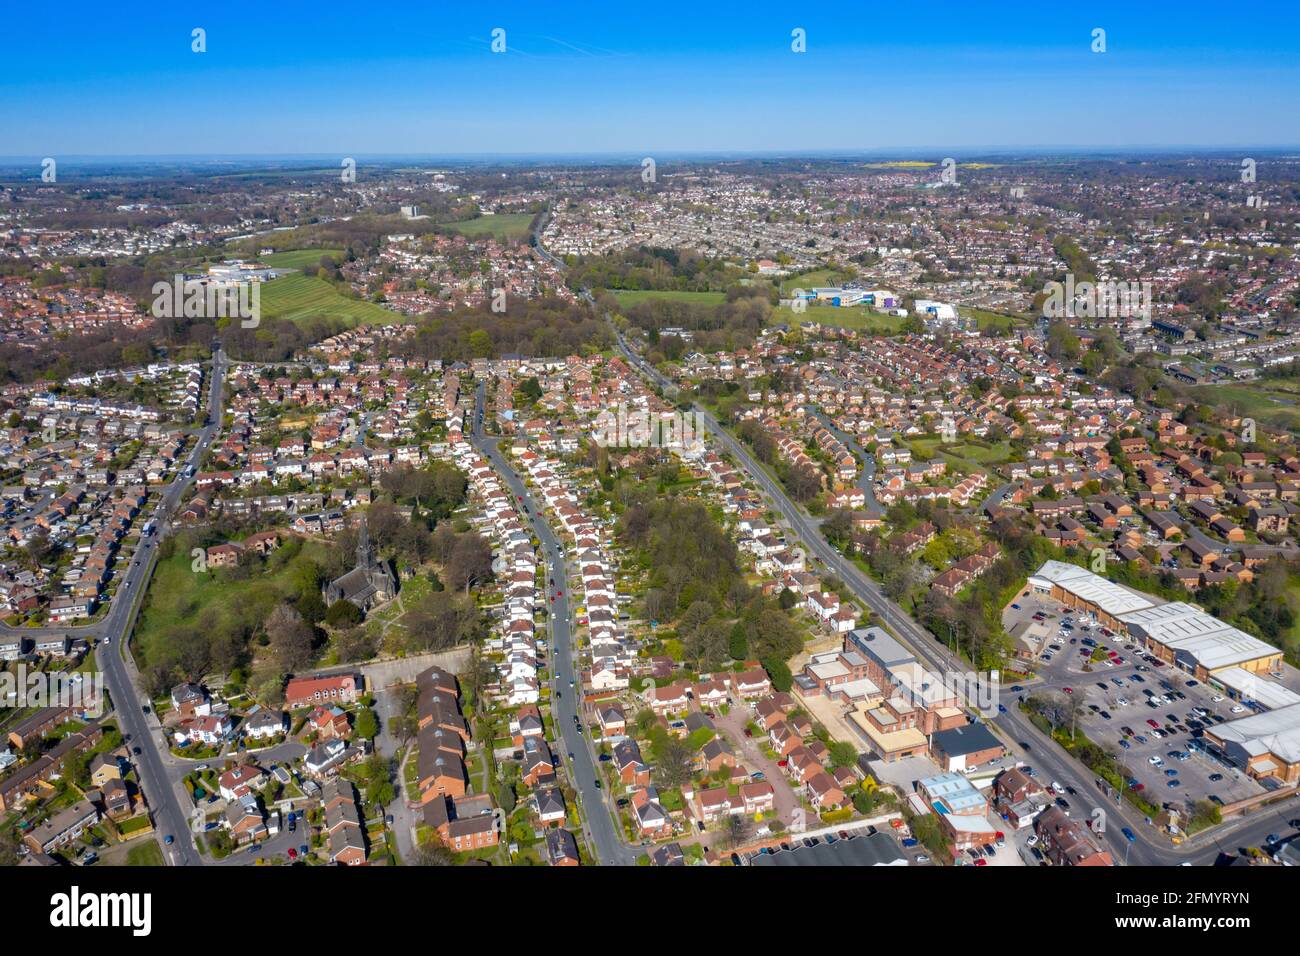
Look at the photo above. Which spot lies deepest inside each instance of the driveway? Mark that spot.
(750, 752)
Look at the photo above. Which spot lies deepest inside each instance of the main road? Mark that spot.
(1041, 751)
(601, 825)
(169, 818)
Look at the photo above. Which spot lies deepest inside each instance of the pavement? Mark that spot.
(1022, 737)
(603, 831)
(867, 477)
(120, 675)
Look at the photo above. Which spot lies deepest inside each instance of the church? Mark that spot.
(370, 583)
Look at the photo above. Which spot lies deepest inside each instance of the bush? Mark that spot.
(779, 672)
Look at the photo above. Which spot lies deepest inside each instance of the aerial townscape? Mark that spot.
(874, 506)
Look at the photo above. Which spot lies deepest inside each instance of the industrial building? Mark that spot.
(1266, 745)
(1176, 632)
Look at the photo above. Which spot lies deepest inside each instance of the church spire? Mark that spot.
(365, 552)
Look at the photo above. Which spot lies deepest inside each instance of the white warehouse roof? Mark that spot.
(1185, 629)
(1112, 598)
(1276, 732)
(1267, 693)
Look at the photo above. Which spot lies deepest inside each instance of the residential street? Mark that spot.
(602, 829)
(1015, 728)
(164, 798)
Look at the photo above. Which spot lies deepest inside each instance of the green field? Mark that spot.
(508, 226)
(968, 456)
(298, 297)
(1268, 402)
(993, 320)
(857, 317)
(630, 298)
(179, 597)
(820, 279)
(298, 258)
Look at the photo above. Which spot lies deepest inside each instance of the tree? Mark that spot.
(842, 754)
(779, 672)
(737, 830)
(645, 719)
(290, 637)
(1062, 343)
(343, 613)
(530, 389)
(738, 642)
(1205, 813)
(431, 853)
(838, 525)
(470, 561)
(404, 728)
(367, 725)
(441, 620)
(674, 762)
(803, 483)
(506, 798)
(480, 344)
(8, 848)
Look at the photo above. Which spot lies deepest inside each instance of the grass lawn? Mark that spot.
(993, 320)
(818, 279)
(298, 297)
(133, 825)
(857, 317)
(971, 455)
(508, 226)
(145, 854)
(1265, 401)
(298, 258)
(180, 597)
(630, 298)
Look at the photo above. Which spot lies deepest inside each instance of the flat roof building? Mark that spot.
(1176, 632)
(1267, 745)
(1200, 643)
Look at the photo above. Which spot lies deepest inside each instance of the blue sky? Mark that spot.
(292, 77)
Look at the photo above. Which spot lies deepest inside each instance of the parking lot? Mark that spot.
(1151, 714)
